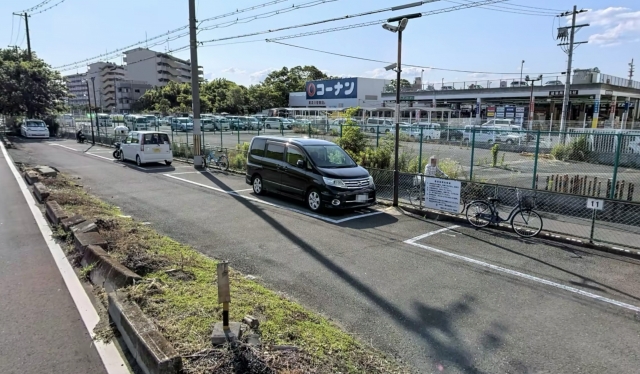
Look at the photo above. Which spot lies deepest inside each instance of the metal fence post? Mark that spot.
(309, 127)
(420, 153)
(203, 142)
(593, 225)
(341, 130)
(220, 136)
(473, 144)
(535, 160)
(238, 135)
(615, 166)
(377, 136)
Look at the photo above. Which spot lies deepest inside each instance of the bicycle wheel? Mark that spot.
(526, 223)
(223, 162)
(479, 213)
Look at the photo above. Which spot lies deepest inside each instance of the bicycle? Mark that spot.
(221, 161)
(525, 222)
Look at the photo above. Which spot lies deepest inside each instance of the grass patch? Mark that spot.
(179, 293)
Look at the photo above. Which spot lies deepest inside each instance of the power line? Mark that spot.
(13, 20)
(533, 7)
(18, 35)
(267, 15)
(48, 8)
(313, 23)
(505, 9)
(36, 7)
(387, 62)
(378, 22)
(170, 32)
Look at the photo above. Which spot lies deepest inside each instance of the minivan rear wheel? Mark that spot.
(257, 185)
(313, 200)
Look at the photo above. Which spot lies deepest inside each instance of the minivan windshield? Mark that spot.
(36, 124)
(329, 156)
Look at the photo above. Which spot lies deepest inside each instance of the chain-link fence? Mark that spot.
(617, 223)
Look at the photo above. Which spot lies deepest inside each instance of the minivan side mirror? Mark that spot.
(300, 164)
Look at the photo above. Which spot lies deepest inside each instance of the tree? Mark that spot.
(285, 81)
(29, 88)
(403, 83)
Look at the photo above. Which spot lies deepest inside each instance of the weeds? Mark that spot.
(85, 272)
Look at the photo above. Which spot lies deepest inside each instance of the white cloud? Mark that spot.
(612, 25)
(259, 76)
(233, 71)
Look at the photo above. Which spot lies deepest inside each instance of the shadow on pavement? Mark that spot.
(427, 326)
(584, 281)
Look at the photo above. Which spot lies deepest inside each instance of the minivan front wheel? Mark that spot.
(138, 161)
(257, 185)
(313, 200)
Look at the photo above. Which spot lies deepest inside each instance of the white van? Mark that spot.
(498, 122)
(34, 128)
(380, 124)
(484, 134)
(429, 130)
(147, 146)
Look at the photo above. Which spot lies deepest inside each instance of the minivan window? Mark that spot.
(329, 156)
(275, 151)
(257, 147)
(164, 139)
(293, 155)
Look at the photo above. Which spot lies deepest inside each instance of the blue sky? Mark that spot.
(477, 39)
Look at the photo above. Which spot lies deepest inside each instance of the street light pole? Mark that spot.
(521, 68)
(195, 87)
(402, 24)
(532, 104)
(90, 116)
(95, 107)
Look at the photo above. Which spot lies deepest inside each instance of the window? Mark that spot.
(329, 156)
(134, 139)
(275, 151)
(257, 147)
(293, 155)
(137, 90)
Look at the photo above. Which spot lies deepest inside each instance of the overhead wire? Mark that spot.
(168, 33)
(36, 7)
(379, 22)
(409, 65)
(350, 16)
(48, 8)
(504, 8)
(13, 20)
(18, 34)
(533, 7)
(266, 15)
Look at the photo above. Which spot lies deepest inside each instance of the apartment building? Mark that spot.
(77, 87)
(105, 76)
(128, 92)
(157, 68)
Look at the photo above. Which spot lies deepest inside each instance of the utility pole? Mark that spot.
(195, 87)
(532, 102)
(631, 70)
(26, 26)
(564, 33)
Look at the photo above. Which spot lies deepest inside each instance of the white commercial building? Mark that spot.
(339, 93)
(156, 68)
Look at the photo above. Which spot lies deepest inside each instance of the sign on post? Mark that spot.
(442, 194)
(595, 204)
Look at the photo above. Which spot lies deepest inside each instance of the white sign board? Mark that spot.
(442, 194)
(595, 204)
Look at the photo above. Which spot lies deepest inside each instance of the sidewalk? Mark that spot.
(41, 329)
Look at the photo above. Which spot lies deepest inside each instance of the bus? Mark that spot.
(136, 122)
(104, 120)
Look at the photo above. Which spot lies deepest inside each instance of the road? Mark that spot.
(436, 296)
(41, 329)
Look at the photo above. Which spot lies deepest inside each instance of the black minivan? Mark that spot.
(316, 171)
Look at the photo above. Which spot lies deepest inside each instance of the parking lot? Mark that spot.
(439, 296)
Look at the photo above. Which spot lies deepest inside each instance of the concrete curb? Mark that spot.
(41, 192)
(82, 240)
(107, 272)
(31, 176)
(458, 218)
(54, 212)
(153, 353)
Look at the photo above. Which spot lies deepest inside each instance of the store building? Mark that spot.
(339, 93)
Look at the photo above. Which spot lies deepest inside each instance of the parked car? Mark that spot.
(182, 124)
(451, 134)
(165, 121)
(447, 88)
(34, 128)
(207, 124)
(474, 87)
(252, 123)
(554, 83)
(498, 122)
(146, 146)
(221, 123)
(278, 123)
(380, 125)
(429, 130)
(519, 84)
(316, 171)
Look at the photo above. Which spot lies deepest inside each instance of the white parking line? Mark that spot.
(106, 158)
(109, 354)
(64, 146)
(513, 272)
(235, 193)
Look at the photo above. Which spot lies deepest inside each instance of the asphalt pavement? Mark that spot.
(40, 328)
(441, 298)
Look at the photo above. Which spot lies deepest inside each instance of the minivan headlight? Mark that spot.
(371, 181)
(333, 182)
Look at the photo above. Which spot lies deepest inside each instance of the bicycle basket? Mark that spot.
(528, 202)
